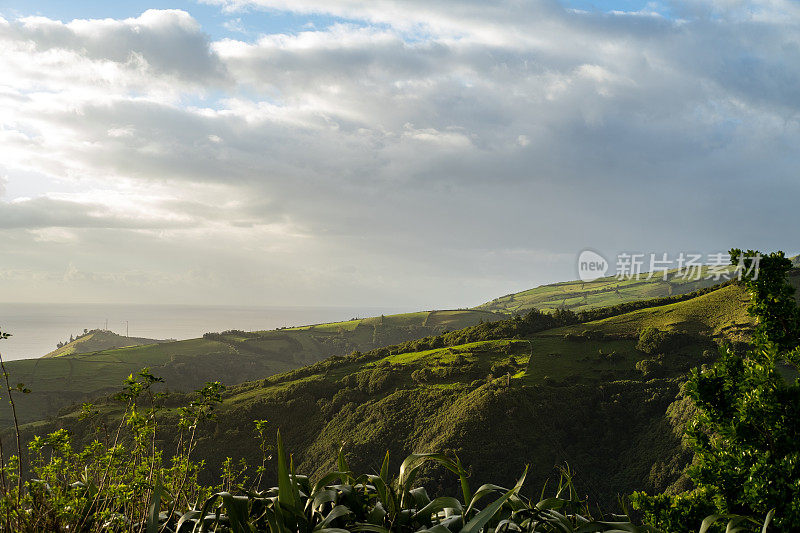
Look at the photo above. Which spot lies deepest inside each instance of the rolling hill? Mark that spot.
(66, 377)
(602, 292)
(581, 394)
(540, 389)
(76, 373)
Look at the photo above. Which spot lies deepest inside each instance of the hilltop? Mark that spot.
(602, 292)
(97, 340)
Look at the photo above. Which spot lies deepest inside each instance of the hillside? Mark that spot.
(544, 407)
(87, 369)
(720, 314)
(97, 340)
(549, 397)
(546, 390)
(232, 357)
(602, 292)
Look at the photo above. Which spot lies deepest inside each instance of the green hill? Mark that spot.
(231, 357)
(581, 394)
(499, 404)
(602, 292)
(99, 339)
(539, 390)
(95, 363)
(718, 314)
(66, 377)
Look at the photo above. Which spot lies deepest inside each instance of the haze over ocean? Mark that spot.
(36, 328)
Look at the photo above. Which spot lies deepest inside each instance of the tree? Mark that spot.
(746, 433)
(772, 297)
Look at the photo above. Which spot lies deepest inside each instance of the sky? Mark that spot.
(433, 154)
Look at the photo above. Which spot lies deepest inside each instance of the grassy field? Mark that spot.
(587, 394)
(602, 292)
(452, 319)
(721, 313)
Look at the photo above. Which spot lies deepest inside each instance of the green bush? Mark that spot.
(654, 341)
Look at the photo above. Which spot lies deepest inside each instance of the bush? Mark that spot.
(654, 341)
(650, 368)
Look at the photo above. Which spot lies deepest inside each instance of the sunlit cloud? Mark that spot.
(401, 154)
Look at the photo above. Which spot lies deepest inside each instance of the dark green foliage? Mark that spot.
(676, 513)
(654, 341)
(342, 501)
(747, 436)
(772, 299)
(746, 431)
(516, 327)
(105, 489)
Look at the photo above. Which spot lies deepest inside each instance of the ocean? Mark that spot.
(36, 328)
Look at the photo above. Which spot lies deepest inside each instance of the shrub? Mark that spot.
(654, 341)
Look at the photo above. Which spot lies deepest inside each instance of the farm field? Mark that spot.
(603, 292)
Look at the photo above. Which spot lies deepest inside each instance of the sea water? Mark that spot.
(37, 328)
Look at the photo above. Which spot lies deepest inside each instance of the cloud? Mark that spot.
(406, 144)
(44, 212)
(158, 43)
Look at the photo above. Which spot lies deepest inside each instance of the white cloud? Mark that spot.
(424, 144)
(235, 25)
(159, 42)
